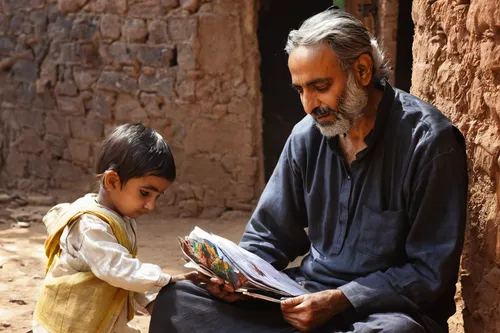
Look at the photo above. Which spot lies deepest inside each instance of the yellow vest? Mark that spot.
(81, 303)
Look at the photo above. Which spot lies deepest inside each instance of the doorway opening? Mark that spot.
(280, 104)
(404, 55)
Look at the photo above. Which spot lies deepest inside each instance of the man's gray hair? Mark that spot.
(345, 34)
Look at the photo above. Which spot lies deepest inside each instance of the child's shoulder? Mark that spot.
(83, 208)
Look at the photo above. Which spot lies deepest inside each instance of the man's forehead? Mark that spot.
(307, 63)
(312, 54)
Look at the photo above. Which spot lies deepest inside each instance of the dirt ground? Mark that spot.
(22, 258)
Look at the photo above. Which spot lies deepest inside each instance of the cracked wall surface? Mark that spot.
(456, 67)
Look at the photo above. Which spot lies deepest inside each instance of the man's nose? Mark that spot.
(310, 101)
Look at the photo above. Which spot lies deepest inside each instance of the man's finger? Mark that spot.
(291, 302)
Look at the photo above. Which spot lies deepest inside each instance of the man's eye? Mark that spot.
(144, 193)
(322, 88)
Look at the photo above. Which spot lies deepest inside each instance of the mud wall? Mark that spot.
(456, 67)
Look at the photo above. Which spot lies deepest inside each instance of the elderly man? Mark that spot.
(372, 183)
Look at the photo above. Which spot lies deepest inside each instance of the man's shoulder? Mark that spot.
(425, 120)
(432, 133)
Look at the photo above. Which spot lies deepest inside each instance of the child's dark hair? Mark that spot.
(135, 150)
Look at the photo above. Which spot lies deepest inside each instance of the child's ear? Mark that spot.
(111, 180)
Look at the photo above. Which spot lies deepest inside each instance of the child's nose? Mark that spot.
(150, 205)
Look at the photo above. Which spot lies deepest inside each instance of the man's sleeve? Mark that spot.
(437, 215)
(276, 229)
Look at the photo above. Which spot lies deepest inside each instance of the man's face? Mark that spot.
(332, 96)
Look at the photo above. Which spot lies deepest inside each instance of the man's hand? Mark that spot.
(309, 311)
(219, 289)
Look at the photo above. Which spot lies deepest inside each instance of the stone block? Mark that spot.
(45, 100)
(84, 29)
(183, 29)
(151, 105)
(39, 167)
(186, 90)
(71, 53)
(191, 5)
(57, 124)
(162, 82)
(31, 143)
(128, 109)
(134, 31)
(7, 46)
(147, 9)
(70, 105)
(169, 4)
(55, 145)
(67, 88)
(185, 192)
(155, 56)
(186, 57)
(118, 82)
(40, 22)
(34, 120)
(189, 208)
(26, 94)
(111, 26)
(66, 175)
(158, 32)
(150, 55)
(60, 30)
(25, 71)
(103, 105)
(16, 164)
(85, 78)
(220, 39)
(70, 6)
(227, 135)
(202, 169)
(206, 88)
(79, 150)
(87, 129)
(107, 6)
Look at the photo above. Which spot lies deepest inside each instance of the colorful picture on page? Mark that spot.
(208, 255)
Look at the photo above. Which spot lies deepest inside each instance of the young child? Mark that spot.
(94, 279)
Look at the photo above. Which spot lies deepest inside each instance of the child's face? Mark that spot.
(138, 195)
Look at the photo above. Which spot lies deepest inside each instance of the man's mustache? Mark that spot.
(321, 111)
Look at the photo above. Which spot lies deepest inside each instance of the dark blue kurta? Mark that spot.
(388, 230)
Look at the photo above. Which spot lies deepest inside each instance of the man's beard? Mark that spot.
(350, 107)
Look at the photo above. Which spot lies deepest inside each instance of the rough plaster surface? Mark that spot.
(456, 54)
(70, 70)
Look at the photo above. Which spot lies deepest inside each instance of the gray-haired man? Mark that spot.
(378, 178)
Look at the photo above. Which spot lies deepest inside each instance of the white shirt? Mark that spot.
(90, 245)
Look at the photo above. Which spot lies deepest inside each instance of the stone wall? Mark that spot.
(456, 67)
(70, 70)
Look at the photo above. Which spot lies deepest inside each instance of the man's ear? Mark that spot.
(111, 180)
(363, 69)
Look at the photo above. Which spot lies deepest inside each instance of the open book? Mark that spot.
(216, 256)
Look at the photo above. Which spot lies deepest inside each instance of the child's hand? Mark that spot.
(192, 276)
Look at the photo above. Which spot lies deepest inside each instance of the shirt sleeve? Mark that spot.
(437, 215)
(275, 231)
(111, 262)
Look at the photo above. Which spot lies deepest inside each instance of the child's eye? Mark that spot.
(144, 193)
